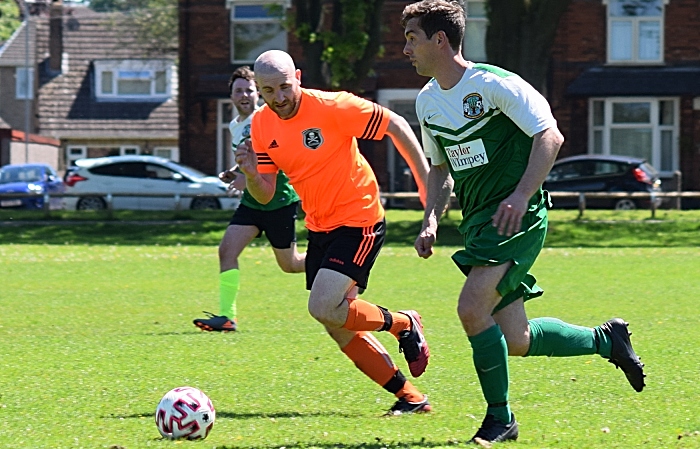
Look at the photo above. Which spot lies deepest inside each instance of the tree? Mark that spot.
(520, 36)
(154, 21)
(340, 40)
(9, 19)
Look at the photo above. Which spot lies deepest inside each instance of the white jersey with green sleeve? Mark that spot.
(482, 127)
(284, 193)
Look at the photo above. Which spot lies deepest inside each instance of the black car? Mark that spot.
(598, 173)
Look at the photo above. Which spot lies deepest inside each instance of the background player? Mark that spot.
(312, 136)
(276, 218)
(495, 135)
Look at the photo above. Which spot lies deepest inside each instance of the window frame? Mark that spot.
(477, 19)
(653, 124)
(231, 4)
(69, 157)
(150, 66)
(635, 22)
(19, 84)
(124, 148)
(174, 152)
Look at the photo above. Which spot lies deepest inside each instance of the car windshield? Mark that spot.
(21, 174)
(189, 171)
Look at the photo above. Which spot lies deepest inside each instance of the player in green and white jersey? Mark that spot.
(493, 136)
(276, 218)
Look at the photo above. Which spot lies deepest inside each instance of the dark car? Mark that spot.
(30, 178)
(598, 173)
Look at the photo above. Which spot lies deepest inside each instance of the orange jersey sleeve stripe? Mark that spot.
(373, 123)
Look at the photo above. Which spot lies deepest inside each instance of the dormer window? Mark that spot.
(133, 80)
(635, 31)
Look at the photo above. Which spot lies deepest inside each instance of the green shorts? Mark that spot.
(484, 247)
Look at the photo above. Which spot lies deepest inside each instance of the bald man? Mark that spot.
(312, 135)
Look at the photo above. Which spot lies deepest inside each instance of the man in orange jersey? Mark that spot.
(312, 136)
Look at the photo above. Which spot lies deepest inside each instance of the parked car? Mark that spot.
(598, 173)
(30, 178)
(125, 177)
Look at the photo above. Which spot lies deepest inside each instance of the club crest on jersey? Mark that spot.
(246, 131)
(473, 106)
(312, 138)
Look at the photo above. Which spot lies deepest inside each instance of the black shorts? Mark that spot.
(350, 251)
(278, 225)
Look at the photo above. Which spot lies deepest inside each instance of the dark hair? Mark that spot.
(438, 15)
(241, 72)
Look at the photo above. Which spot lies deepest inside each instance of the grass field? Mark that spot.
(95, 326)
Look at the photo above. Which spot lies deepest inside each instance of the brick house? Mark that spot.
(624, 78)
(98, 91)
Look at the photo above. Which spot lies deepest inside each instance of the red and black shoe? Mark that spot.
(216, 323)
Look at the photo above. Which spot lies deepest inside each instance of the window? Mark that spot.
(24, 83)
(224, 153)
(474, 47)
(73, 153)
(135, 80)
(129, 150)
(172, 153)
(641, 127)
(635, 31)
(256, 26)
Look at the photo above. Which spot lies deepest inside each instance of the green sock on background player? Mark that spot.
(228, 291)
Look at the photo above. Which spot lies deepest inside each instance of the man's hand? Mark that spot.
(228, 176)
(424, 243)
(246, 159)
(509, 216)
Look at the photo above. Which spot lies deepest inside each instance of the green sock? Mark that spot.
(555, 338)
(490, 355)
(228, 291)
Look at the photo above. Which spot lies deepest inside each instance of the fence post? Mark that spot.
(45, 206)
(110, 207)
(679, 188)
(581, 204)
(653, 204)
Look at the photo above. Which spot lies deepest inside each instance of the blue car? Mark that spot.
(30, 178)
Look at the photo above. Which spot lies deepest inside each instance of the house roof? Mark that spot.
(67, 106)
(632, 81)
(14, 52)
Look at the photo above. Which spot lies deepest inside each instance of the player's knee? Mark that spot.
(287, 266)
(468, 313)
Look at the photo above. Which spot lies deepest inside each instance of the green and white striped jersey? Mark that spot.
(482, 127)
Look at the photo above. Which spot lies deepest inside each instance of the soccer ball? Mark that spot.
(185, 412)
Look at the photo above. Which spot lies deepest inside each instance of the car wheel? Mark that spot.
(625, 204)
(91, 203)
(205, 203)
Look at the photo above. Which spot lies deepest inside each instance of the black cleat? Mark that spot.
(403, 407)
(215, 323)
(622, 355)
(494, 431)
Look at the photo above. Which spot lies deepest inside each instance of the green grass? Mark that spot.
(95, 326)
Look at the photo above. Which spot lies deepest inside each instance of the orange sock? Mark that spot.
(371, 358)
(410, 392)
(363, 316)
(401, 323)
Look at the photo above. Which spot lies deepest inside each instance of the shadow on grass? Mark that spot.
(236, 415)
(378, 444)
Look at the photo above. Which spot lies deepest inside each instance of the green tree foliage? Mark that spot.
(520, 36)
(9, 19)
(340, 40)
(155, 21)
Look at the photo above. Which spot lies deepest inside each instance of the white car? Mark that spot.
(167, 185)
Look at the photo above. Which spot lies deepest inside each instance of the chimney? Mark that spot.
(55, 36)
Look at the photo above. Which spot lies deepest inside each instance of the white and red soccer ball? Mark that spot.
(185, 412)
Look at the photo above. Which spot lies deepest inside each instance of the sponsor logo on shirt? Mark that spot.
(312, 138)
(473, 106)
(467, 155)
